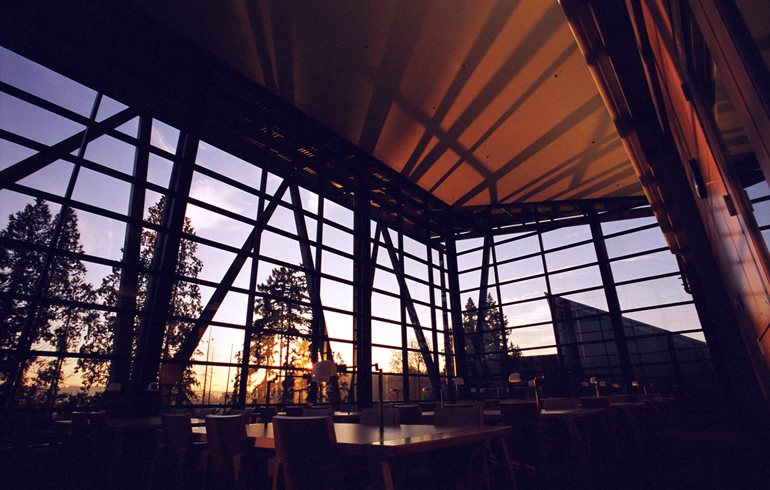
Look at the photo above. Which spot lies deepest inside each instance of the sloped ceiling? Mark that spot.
(479, 102)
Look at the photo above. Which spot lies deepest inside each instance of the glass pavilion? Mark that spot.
(459, 192)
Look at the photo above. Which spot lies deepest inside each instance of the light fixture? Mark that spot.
(595, 381)
(323, 371)
(376, 367)
(515, 378)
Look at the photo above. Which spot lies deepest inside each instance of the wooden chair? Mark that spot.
(560, 403)
(371, 416)
(459, 416)
(464, 466)
(247, 414)
(77, 441)
(306, 448)
(183, 460)
(232, 462)
(266, 414)
(527, 444)
(27, 456)
(319, 411)
(409, 414)
(294, 410)
(595, 402)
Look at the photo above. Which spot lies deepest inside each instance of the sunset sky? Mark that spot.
(103, 237)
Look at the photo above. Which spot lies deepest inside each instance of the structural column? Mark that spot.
(120, 370)
(611, 293)
(362, 291)
(163, 275)
(454, 299)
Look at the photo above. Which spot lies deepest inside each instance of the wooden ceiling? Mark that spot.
(478, 102)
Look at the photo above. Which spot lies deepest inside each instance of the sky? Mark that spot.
(104, 237)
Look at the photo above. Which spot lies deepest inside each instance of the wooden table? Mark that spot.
(341, 416)
(381, 448)
(131, 423)
(491, 416)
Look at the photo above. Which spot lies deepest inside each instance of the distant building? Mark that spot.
(587, 347)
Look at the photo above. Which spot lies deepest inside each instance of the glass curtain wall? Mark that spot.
(262, 264)
(549, 311)
(90, 193)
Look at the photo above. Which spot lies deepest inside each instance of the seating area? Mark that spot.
(398, 245)
(544, 448)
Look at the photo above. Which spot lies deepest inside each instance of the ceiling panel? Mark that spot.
(479, 102)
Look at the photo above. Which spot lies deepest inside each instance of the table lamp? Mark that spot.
(377, 368)
(595, 381)
(458, 382)
(323, 371)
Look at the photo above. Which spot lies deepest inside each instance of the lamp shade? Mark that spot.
(514, 378)
(594, 380)
(323, 370)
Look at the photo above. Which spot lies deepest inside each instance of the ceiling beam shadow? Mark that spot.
(281, 17)
(487, 36)
(616, 173)
(561, 171)
(257, 24)
(402, 39)
(549, 137)
(511, 109)
(536, 38)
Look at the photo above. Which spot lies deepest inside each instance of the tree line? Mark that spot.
(59, 318)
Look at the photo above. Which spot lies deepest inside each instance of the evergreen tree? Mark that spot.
(283, 316)
(54, 322)
(185, 302)
(491, 341)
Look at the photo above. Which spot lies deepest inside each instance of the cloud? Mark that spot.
(161, 140)
(210, 191)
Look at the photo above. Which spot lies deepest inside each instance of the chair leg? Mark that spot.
(507, 459)
(275, 471)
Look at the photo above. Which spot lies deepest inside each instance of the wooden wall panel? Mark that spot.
(741, 257)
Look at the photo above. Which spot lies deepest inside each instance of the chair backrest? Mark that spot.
(428, 406)
(177, 430)
(226, 436)
(525, 442)
(623, 398)
(79, 421)
(306, 447)
(246, 413)
(320, 411)
(409, 414)
(519, 414)
(595, 402)
(371, 416)
(459, 415)
(266, 414)
(560, 403)
(79, 430)
(294, 410)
